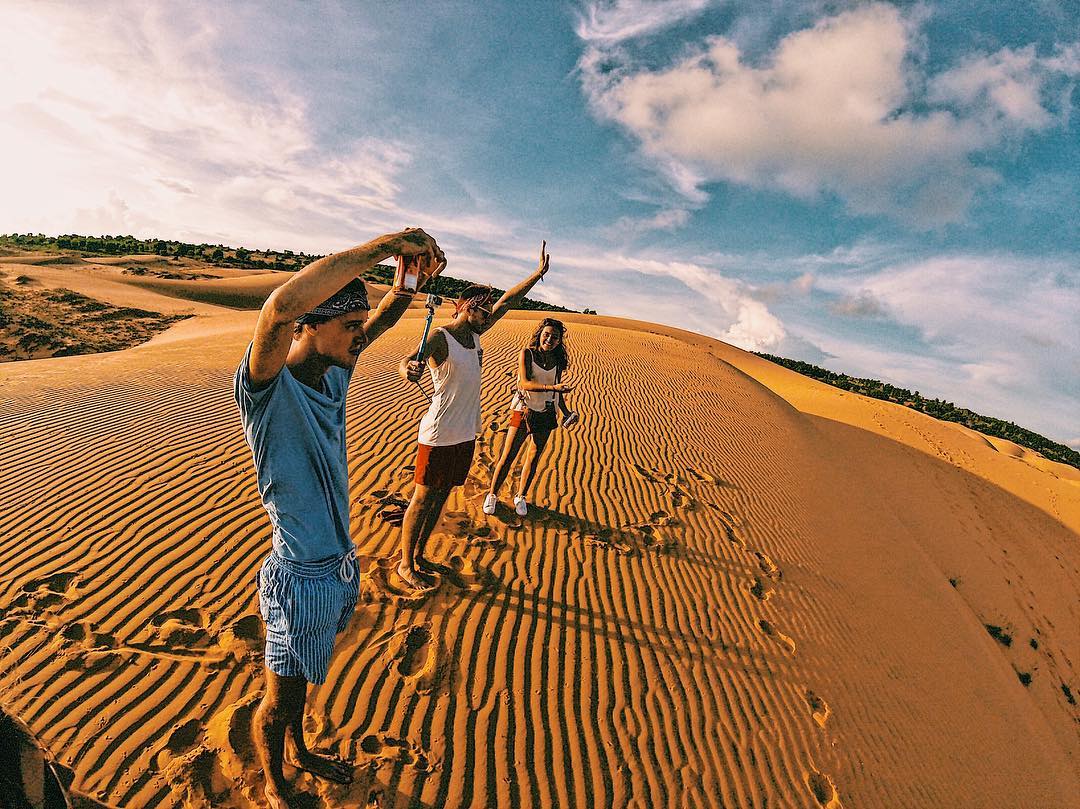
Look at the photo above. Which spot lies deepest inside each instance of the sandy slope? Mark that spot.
(736, 590)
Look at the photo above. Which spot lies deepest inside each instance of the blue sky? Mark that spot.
(887, 189)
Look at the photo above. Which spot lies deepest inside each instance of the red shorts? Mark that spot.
(443, 467)
(517, 419)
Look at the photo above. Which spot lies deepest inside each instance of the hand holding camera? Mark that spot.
(419, 259)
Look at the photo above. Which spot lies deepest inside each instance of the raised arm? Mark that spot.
(395, 302)
(512, 297)
(313, 285)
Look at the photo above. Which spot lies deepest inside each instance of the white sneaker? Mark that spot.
(490, 502)
(521, 506)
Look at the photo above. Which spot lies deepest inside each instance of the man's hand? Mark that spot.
(562, 387)
(414, 370)
(426, 271)
(415, 242)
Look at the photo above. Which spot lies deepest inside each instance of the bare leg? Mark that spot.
(515, 437)
(322, 766)
(417, 517)
(433, 515)
(282, 703)
(532, 460)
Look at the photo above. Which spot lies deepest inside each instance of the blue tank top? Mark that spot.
(297, 440)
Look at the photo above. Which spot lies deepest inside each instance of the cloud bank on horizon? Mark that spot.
(890, 190)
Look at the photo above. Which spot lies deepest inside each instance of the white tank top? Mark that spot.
(454, 414)
(538, 399)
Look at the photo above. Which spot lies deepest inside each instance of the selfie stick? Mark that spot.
(432, 301)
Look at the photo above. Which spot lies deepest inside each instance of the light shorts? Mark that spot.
(305, 605)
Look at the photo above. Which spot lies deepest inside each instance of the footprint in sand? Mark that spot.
(649, 538)
(77, 631)
(461, 526)
(641, 470)
(91, 662)
(244, 637)
(759, 590)
(391, 506)
(416, 655)
(468, 576)
(778, 636)
(768, 566)
(390, 749)
(819, 709)
(700, 477)
(823, 789)
(184, 628)
(732, 537)
(608, 539)
(83, 634)
(250, 627)
(42, 594)
(183, 737)
(662, 519)
(191, 616)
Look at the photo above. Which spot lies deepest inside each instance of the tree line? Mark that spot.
(223, 256)
(216, 254)
(938, 408)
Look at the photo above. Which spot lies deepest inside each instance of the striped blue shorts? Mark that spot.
(304, 606)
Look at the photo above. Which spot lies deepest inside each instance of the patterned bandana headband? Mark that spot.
(350, 298)
(473, 301)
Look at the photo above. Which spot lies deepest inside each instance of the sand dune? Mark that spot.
(739, 588)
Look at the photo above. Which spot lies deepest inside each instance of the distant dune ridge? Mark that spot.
(740, 587)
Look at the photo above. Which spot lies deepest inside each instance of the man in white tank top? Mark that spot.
(448, 430)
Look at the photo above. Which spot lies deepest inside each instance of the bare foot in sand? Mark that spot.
(412, 578)
(332, 769)
(428, 567)
(276, 796)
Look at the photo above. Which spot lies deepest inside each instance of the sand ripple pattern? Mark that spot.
(654, 633)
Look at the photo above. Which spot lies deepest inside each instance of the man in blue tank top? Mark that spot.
(290, 388)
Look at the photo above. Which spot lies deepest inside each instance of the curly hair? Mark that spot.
(562, 356)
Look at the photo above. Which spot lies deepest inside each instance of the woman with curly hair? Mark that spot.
(541, 365)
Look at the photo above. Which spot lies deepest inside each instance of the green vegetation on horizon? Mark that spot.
(223, 256)
(448, 287)
(938, 408)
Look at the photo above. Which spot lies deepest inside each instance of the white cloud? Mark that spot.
(628, 227)
(863, 304)
(124, 118)
(717, 305)
(1009, 89)
(997, 333)
(833, 110)
(612, 22)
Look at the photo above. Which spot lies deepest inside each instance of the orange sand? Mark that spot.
(734, 589)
